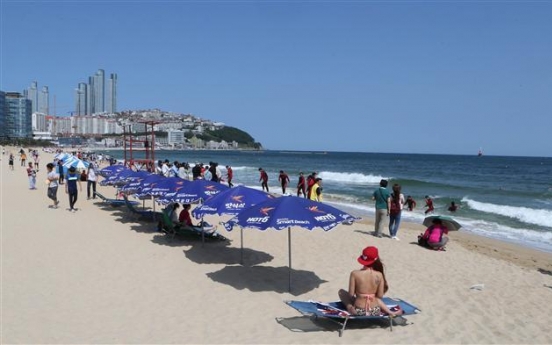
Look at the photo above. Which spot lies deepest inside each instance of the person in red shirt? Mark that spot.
(310, 183)
(429, 204)
(284, 180)
(301, 185)
(263, 179)
(229, 176)
(184, 216)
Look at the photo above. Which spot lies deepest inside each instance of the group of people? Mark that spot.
(199, 171)
(309, 187)
(73, 183)
(391, 204)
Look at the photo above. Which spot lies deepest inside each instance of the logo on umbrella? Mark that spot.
(265, 210)
(237, 198)
(315, 209)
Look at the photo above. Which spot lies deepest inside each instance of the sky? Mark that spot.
(445, 77)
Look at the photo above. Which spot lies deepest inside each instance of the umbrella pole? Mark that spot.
(202, 232)
(289, 251)
(241, 237)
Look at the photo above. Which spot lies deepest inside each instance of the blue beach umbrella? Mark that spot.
(120, 178)
(285, 212)
(163, 186)
(75, 163)
(194, 191)
(231, 201)
(112, 170)
(136, 185)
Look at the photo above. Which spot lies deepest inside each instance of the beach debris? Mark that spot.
(478, 287)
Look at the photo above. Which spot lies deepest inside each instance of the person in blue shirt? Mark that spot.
(71, 182)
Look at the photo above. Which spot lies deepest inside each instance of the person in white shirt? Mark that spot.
(92, 178)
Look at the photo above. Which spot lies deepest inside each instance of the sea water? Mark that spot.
(507, 198)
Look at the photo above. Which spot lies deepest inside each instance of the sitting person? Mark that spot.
(172, 211)
(366, 287)
(186, 220)
(433, 236)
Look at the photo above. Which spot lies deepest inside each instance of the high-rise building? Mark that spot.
(44, 101)
(90, 96)
(99, 91)
(93, 98)
(3, 114)
(32, 95)
(81, 93)
(16, 115)
(112, 94)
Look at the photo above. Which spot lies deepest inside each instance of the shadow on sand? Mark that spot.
(209, 254)
(264, 278)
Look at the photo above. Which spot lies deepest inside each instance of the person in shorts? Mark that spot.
(52, 181)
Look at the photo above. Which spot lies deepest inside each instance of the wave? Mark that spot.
(356, 178)
(527, 215)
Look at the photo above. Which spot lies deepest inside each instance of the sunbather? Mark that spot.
(434, 236)
(367, 286)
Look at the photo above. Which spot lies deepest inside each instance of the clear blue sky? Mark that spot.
(413, 77)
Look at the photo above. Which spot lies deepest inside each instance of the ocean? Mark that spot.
(506, 198)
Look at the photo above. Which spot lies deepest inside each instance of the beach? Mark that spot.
(100, 276)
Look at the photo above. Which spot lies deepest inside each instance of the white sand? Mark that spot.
(97, 276)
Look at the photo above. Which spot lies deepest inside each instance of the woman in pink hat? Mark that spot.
(366, 287)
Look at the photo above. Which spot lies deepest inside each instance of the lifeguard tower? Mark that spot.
(140, 143)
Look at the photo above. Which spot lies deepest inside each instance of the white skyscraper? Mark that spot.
(112, 93)
(81, 99)
(32, 95)
(44, 101)
(99, 91)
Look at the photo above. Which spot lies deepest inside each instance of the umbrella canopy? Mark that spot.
(162, 187)
(136, 185)
(193, 191)
(449, 222)
(122, 177)
(75, 163)
(285, 212)
(231, 201)
(112, 170)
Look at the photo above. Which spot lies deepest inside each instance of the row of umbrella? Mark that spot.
(250, 207)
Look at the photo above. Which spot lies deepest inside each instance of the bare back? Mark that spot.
(363, 283)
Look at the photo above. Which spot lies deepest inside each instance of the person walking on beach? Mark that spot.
(410, 203)
(60, 171)
(31, 174)
(91, 181)
(367, 287)
(381, 195)
(263, 179)
(229, 176)
(36, 160)
(23, 158)
(52, 181)
(301, 185)
(71, 188)
(10, 161)
(283, 178)
(429, 204)
(316, 190)
(395, 201)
